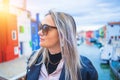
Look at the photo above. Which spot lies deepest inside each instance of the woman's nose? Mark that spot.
(40, 33)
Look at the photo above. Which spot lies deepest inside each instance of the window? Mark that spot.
(14, 36)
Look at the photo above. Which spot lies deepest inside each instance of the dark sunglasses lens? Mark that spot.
(45, 29)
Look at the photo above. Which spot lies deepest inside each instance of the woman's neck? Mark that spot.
(54, 51)
(54, 58)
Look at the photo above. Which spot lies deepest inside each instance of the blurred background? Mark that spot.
(98, 33)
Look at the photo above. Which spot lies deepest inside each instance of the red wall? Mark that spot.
(8, 26)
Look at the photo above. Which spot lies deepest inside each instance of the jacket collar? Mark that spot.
(62, 75)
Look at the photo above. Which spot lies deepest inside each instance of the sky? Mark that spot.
(88, 14)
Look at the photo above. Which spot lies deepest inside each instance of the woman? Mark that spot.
(58, 59)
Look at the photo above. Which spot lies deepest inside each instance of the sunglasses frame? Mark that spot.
(45, 28)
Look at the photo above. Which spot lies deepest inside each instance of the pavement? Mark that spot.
(13, 69)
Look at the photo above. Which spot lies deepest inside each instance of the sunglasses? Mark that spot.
(45, 28)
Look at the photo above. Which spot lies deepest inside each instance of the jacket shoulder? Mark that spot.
(88, 71)
(33, 57)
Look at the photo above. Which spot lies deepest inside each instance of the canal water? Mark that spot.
(92, 53)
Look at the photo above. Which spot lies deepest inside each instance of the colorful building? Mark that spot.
(8, 35)
(34, 33)
(113, 31)
(24, 29)
(15, 25)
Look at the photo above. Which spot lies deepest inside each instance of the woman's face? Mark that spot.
(51, 38)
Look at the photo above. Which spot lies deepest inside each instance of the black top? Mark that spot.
(54, 60)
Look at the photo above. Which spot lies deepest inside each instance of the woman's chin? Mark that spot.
(42, 45)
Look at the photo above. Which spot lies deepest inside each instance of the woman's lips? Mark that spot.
(41, 39)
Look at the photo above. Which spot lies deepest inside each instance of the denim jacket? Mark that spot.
(88, 72)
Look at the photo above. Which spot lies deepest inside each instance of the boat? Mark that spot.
(115, 64)
(115, 67)
(106, 53)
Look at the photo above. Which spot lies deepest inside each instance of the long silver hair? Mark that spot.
(67, 34)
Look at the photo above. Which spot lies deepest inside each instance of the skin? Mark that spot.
(51, 40)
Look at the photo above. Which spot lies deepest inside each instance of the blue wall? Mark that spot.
(34, 33)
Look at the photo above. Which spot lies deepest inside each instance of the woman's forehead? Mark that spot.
(48, 20)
